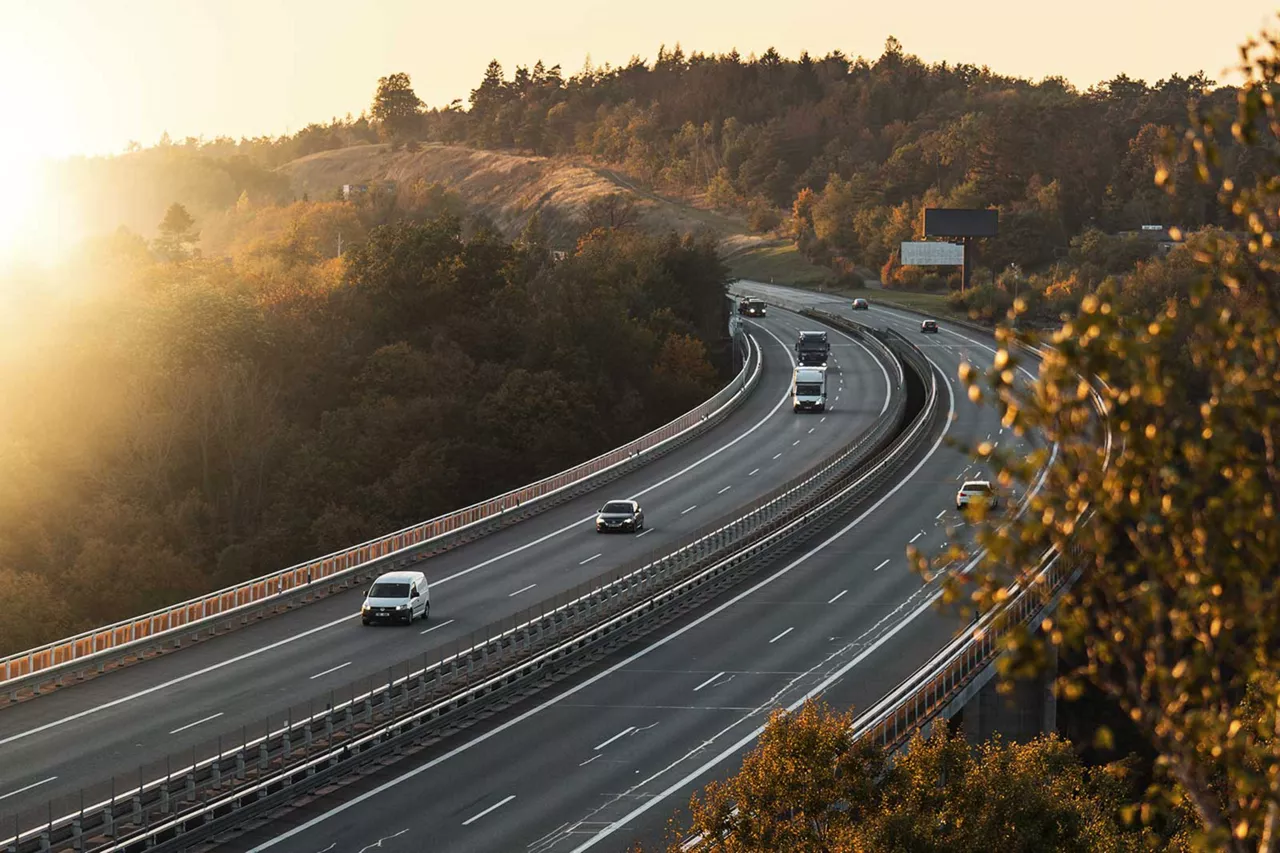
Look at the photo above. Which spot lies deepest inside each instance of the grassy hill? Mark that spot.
(509, 188)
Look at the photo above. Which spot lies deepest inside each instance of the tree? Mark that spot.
(613, 212)
(808, 786)
(1176, 610)
(396, 107)
(177, 234)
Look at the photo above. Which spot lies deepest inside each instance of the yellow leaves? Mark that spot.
(1180, 669)
(1150, 432)
(966, 371)
(975, 394)
(1166, 504)
(1242, 829)
(1215, 627)
(1002, 359)
(985, 448)
(1162, 176)
(1233, 729)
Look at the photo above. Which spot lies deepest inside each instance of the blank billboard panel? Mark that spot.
(932, 254)
(960, 222)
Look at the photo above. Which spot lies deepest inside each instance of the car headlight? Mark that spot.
(364, 608)
(402, 607)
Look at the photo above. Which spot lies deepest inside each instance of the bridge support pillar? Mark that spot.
(1030, 710)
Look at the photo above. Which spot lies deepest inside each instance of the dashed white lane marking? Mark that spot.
(783, 634)
(493, 807)
(914, 538)
(838, 596)
(881, 566)
(644, 532)
(753, 473)
(824, 418)
(941, 514)
(589, 760)
(708, 681)
(794, 443)
(628, 730)
(811, 429)
(196, 723)
(588, 560)
(441, 625)
(690, 509)
(327, 672)
(725, 489)
(522, 589)
(776, 455)
(29, 787)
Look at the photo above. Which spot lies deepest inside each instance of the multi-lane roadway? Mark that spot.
(606, 758)
(110, 726)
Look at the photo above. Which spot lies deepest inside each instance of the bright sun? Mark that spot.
(27, 233)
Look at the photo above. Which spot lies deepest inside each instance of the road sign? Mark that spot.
(932, 254)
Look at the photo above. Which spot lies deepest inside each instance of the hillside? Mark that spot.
(509, 188)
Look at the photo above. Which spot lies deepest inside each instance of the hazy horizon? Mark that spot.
(135, 70)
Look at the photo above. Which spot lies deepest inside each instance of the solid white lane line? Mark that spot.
(28, 788)
(522, 589)
(644, 532)
(441, 625)
(628, 730)
(776, 455)
(753, 473)
(839, 595)
(491, 808)
(690, 509)
(588, 560)
(941, 514)
(725, 489)
(925, 606)
(708, 681)
(881, 566)
(914, 538)
(327, 671)
(783, 634)
(196, 723)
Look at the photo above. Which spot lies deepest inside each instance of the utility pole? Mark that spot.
(339, 244)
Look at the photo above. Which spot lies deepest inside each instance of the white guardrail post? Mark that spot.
(130, 639)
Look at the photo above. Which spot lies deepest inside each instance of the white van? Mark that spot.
(809, 389)
(397, 597)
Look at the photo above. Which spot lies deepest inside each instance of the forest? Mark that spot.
(192, 421)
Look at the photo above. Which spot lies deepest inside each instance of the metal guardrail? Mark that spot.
(421, 698)
(134, 639)
(948, 677)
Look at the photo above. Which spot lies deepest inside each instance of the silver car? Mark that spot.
(620, 516)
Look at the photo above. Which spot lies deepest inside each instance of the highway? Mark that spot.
(605, 759)
(239, 683)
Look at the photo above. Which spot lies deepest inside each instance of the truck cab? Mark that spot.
(809, 389)
(812, 348)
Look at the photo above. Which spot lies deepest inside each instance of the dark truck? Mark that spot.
(751, 307)
(812, 348)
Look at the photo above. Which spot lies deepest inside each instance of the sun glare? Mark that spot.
(27, 235)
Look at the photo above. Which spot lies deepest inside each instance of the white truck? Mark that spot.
(809, 389)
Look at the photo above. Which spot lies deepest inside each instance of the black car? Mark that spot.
(620, 516)
(929, 326)
(751, 308)
(860, 304)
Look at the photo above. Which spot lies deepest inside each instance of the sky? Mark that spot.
(88, 76)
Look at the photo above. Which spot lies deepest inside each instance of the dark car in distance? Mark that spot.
(929, 326)
(860, 304)
(620, 516)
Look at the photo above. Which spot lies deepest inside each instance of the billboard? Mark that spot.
(932, 254)
(960, 222)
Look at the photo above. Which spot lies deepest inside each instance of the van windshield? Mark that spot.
(389, 590)
(808, 389)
